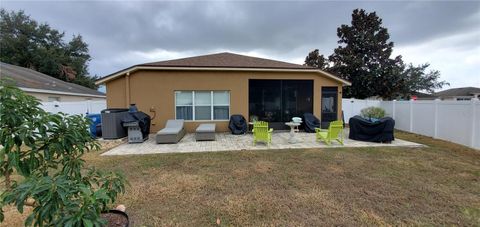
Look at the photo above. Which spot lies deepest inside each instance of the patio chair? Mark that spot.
(334, 132)
(172, 133)
(261, 132)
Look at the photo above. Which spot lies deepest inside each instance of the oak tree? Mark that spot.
(27, 43)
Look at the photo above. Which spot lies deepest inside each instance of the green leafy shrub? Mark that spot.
(46, 151)
(373, 112)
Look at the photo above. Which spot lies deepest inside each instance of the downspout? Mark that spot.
(340, 115)
(127, 89)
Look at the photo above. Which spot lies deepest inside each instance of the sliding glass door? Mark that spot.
(329, 105)
(277, 101)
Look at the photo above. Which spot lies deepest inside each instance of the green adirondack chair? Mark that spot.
(261, 132)
(334, 132)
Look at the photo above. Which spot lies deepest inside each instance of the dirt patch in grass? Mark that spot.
(434, 185)
(13, 217)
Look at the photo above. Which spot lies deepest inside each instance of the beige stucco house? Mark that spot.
(211, 88)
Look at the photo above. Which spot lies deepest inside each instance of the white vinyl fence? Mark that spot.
(352, 107)
(455, 121)
(82, 107)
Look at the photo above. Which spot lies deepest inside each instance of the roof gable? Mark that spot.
(31, 79)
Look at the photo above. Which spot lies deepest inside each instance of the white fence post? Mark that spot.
(474, 121)
(353, 106)
(393, 108)
(411, 115)
(435, 118)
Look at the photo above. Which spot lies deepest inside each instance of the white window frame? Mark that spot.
(212, 105)
(221, 105)
(193, 104)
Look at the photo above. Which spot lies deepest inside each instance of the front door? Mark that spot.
(329, 105)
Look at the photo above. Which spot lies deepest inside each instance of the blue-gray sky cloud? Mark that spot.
(123, 33)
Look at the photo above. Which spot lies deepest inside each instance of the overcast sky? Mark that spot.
(124, 33)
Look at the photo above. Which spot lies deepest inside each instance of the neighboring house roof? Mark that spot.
(221, 61)
(421, 95)
(33, 81)
(461, 91)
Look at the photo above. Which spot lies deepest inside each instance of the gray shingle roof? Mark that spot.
(461, 91)
(221, 61)
(227, 60)
(28, 78)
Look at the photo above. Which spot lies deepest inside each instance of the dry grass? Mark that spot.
(436, 185)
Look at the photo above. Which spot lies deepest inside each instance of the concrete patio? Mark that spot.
(229, 142)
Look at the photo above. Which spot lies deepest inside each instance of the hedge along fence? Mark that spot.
(455, 121)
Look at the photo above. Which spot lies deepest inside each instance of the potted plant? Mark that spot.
(372, 113)
(116, 217)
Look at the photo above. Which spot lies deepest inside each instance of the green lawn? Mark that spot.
(435, 185)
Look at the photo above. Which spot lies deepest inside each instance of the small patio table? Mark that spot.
(293, 125)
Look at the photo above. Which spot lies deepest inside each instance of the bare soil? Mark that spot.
(115, 220)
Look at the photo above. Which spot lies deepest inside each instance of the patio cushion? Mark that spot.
(172, 133)
(174, 124)
(168, 131)
(205, 132)
(205, 128)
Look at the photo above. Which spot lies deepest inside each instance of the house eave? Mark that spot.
(136, 68)
(34, 90)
